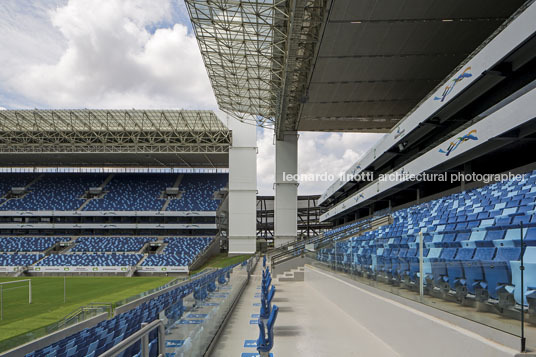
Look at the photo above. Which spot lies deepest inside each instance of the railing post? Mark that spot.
(144, 342)
(421, 277)
(161, 340)
(522, 268)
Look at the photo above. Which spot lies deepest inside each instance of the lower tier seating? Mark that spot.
(14, 260)
(112, 259)
(96, 340)
(29, 244)
(180, 251)
(111, 244)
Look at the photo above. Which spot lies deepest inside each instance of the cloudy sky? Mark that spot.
(131, 54)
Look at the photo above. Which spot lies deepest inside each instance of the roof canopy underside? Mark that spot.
(174, 138)
(344, 65)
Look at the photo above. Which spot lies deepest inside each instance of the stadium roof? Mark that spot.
(336, 65)
(173, 138)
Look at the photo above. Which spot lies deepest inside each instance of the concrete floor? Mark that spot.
(308, 324)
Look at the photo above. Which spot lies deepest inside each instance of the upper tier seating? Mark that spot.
(198, 191)
(9, 260)
(470, 241)
(60, 192)
(29, 244)
(91, 260)
(180, 251)
(8, 181)
(111, 244)
(124, 192)
(133, 192)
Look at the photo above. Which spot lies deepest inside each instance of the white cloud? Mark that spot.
(132, 54)
(331, 153)
(118, 54)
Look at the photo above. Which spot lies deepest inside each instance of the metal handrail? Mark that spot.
(143, 335)
(300, 245)
(91, 307)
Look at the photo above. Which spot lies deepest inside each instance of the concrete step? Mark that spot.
(293, 275)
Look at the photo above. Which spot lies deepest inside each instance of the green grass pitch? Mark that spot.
(47, 298)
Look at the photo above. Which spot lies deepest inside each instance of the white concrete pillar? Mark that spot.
(242, 188)
(286, 191)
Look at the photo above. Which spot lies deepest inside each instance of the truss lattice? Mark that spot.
(112, 131)
(258, 54)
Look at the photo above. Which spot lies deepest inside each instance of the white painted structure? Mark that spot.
(508, 117)
(242, 188)
(286, 190)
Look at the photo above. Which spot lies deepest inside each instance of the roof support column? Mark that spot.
(286, 188)
(242, 189)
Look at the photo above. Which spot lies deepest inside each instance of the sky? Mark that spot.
(142, 54)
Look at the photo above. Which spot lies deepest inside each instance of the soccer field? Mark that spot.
(47, 298)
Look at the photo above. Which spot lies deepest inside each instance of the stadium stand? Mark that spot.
(197, 192)
(124, 192)
(14, 260)
(29, 244)
(95, 340)
(112, 259)
(8, 181)
(470, 241)
(180, 251)
(133, 192)
(60, 192)
(111, 244)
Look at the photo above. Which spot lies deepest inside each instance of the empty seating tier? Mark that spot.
(59, 192)
(111, 244)
(29, 244)
(91, 260)
(471, 240)
(16, 260)
(197, 192)
(179, 251)
(120, 192)
(96, 340)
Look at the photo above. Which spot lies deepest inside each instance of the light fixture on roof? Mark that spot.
(355, 22)
(447, 20)
(402, 146)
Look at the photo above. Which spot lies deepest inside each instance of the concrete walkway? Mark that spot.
(307, 325)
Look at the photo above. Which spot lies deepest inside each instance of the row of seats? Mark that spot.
(268, 313)
(60, 192)
(92, 260)
(8, 181)
(18, 260)
(111, 244)
(179, 251)
(29, 244)
(124, 192)
(471, 242)
(133, 192)
(95, 340)
(197, 193)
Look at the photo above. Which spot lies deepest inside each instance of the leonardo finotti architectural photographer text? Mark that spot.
(403, 177)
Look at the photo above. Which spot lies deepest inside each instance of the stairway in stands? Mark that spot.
(287, 259)
(102, 185)
(175, 185)
(26, 187)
